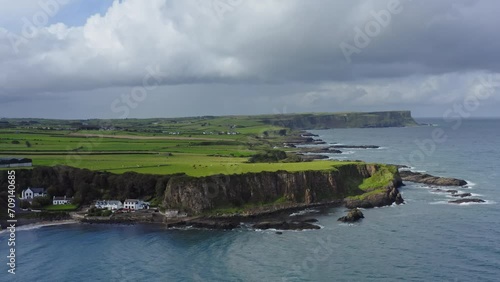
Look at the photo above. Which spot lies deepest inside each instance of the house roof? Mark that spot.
(108, 202)
(62, 198)
(37, 190)
(131, 200)
(114, 202)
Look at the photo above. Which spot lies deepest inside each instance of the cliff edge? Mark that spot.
(355, 184)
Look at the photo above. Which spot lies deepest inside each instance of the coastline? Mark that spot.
(41, 224)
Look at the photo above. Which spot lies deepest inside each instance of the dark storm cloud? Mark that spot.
(406, 45)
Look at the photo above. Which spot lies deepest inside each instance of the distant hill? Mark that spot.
(297, 121)
(342, 120)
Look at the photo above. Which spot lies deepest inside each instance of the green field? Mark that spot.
(199, 147)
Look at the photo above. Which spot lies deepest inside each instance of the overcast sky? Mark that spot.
(163, 58)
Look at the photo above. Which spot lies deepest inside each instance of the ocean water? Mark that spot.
(426, 239)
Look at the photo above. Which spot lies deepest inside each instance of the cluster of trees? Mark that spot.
(269, 156)
(16, 142)
(99, 212)
(86, 186)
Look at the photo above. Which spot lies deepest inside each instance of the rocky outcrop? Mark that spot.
(355, 146)
(378, 198)
(352, 216)
(445, 191)
(465, 201)
(329, 150)
(430, 179)
(196, 195)
(462, 195)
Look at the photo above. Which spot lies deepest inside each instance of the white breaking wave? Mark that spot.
(40, 225)
(470, 183)
(486, 202)
(303, 212)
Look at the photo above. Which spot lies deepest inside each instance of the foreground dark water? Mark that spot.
(426, 239)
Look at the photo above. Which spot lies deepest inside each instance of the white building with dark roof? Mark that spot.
(135, 204)
(31, 193)
(61, 200)
(108, 204)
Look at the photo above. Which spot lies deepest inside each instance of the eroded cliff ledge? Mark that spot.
(356, 184)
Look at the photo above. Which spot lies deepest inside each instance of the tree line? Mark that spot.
(86, 186)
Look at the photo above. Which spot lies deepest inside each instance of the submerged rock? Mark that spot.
(430, 179)
(355, 146)
(285, 225)
(464, 201)
(311, 220)
(352, 216)
(208, 224)
(453, 192)
(463, 195)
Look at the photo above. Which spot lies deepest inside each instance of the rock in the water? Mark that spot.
(430, 179)
(310, 220)
(386, 197)
(284, 225)
(356, 147)
(279, 232)
(214, 224)
(352, 216)
(463, 195)
(445, 191)
(399, 199)
(463, 201)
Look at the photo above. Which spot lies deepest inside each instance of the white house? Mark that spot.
(31, 193)
(61, 200)
(135, 204)
(108, 204)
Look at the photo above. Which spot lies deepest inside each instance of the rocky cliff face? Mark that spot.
(344, 120)
(197, 195)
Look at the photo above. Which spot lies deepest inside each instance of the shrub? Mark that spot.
(42, 201)
(270, 156)
(106, 213)
(24, 204)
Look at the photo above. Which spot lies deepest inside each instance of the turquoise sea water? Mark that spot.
(426, 239)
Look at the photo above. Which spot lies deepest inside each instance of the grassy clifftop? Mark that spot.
(196, 146)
